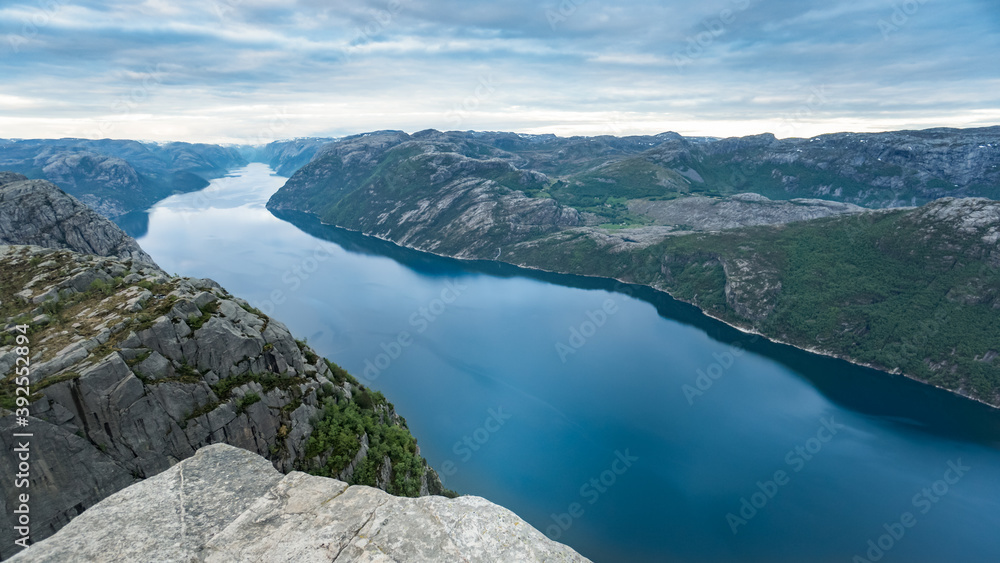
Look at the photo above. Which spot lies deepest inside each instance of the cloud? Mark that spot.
(222, 70)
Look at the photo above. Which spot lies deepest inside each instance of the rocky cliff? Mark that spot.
(39, 213)
(132, 371)
(433, 192)
(225, 504)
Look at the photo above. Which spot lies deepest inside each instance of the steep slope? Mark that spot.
(637, 217)
(132, 370)
(39, 213)
(225, 504)
(286, 157)
(426, 192)
(116, 177)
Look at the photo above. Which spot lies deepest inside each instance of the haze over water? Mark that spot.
(565, 401)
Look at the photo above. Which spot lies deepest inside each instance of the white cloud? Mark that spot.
(221, 70)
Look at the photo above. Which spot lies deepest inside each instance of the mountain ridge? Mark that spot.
(450, 194)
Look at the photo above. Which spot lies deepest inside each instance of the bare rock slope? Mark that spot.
(226, 504)
(39, 213)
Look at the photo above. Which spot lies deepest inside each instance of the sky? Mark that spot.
(254, 71)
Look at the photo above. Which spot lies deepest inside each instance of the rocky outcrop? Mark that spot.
(225, 504)
(133, 371)
(742, 210)
(37, 212)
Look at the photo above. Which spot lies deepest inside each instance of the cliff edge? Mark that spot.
(226, 504)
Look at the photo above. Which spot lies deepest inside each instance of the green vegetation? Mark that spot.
(337, 435)
(197, 321)
(871, 287)
(245, 401)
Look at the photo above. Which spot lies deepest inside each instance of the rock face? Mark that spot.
(225, 504)
(434, 191)
(39, 213)
(742, 210)
(133, 371)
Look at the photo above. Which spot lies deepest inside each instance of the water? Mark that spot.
(604, 448)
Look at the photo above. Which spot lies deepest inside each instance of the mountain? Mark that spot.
(133, 370)
(39, 213)
(285, 157)
(116, 177)
(226, 504)
(765, 234)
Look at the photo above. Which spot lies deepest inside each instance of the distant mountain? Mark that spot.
(116, 177)
(766, 234)
(286, 157)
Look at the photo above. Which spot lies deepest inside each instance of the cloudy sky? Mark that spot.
(252, 71)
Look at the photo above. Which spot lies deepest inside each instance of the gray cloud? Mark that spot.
(252, 70)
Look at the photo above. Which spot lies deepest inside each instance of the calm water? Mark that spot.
(604, 448)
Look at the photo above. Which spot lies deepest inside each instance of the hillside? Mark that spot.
(39, 213)
(133, 370)
(285, 157)
(909, 290)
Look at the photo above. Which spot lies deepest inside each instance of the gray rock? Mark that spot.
(37, 212)
(228, 505)
(741, 210)
(143, 426)
(58, 457)
(155, 366)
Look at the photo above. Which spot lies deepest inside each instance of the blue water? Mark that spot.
(604, 448)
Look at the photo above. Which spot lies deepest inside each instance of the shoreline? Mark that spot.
(744, 330)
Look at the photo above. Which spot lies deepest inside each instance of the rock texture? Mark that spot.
(132, 371)
(433, 192)
(225, 504)
(39, 213)
(742, 210)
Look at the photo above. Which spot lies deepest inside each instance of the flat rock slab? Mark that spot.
(226, 504)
